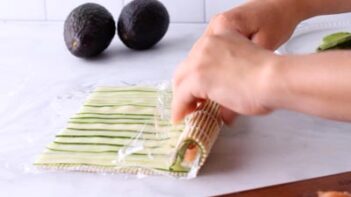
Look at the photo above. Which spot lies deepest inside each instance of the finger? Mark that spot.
(243, 29)
(228, 23)
(263, 40)
(220, 25)
(179, 74)
(183, 68)
(183, 102)
(228, 115)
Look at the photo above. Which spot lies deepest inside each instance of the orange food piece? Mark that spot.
(333, 194)
(190, 153)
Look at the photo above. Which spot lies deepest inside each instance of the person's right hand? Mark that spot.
(227, 68)
(268, 23)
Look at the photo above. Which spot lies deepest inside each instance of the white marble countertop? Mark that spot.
(37, 74)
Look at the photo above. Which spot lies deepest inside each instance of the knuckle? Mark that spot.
(238, 17)
(234, 21)
(218, 23)
(199, 73)
(210, 42)
(204, 48)
(207, 42)
(219, 20)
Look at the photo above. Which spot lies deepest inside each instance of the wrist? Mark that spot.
(295, 10)
(272, 85)
(304, 9)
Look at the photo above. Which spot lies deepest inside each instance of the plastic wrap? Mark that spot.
(127, 129)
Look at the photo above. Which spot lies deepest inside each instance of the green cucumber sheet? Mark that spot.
(125, 130)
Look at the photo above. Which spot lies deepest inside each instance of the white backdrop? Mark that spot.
(181, 11)
(196, 11)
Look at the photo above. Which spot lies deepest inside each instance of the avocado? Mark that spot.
(89, 30)
(142, 24)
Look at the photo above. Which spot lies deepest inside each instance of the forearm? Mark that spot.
(318, 84)
(311, 8)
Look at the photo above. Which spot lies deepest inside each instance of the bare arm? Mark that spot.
(246, 79)
(269, 23)
(243, 78)
(320, 7)
(318, 84)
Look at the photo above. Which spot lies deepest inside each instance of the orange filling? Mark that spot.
(333, 194)
(190, 153)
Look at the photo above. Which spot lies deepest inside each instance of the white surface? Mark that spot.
(22, 9)
(181, 11)
(185, 10)
(38, 76)
(52, 10)
(218, 6)
(309, 36)
(346, 17)
(59, 9)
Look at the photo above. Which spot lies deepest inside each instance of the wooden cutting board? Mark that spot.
(306, 188)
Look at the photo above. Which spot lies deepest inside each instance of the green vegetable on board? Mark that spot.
(117, 128)
(340, 40)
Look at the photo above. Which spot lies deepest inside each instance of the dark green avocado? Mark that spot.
(89, 30)
(142, 24)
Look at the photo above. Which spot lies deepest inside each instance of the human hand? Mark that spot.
(268, 23)
(227, 68)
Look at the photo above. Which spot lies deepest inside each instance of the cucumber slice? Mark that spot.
(106, 148)
(120, 121)
(128, 135)
(112, 117)
(105, 159)
(121, 95)
(105, 100)
(340, 40)
(115, 115)
(117, 141)
(115, 120)
(119, 105)
(129, 89)
(123, 110)
(336, 36)
(127, 127)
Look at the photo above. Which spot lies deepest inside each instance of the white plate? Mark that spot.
(308, 37)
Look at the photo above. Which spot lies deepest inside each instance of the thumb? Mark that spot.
(227, 115)
(220, 25)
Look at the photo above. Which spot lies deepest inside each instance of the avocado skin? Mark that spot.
(142, 24)
(89, 30)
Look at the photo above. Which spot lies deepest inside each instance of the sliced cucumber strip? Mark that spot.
(123, 134)
(120, 121)
(340, 40)
(118, 127)
(107, 148)
(117, 141)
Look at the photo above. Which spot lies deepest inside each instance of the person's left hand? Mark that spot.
(227, 68)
